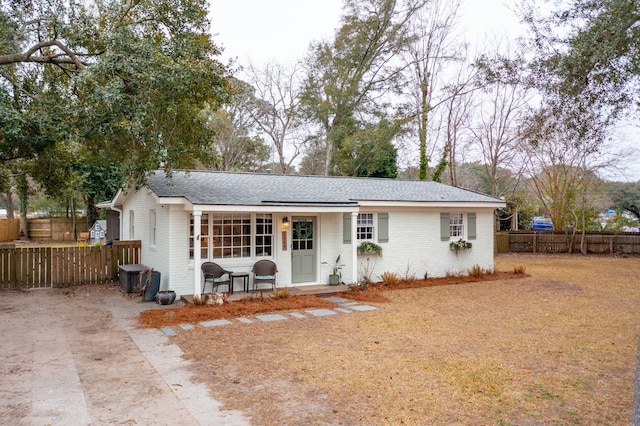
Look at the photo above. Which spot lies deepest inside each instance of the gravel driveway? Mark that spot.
(74, 356)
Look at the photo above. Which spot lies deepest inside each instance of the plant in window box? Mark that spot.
(459, 245)
(336, 275)
(369, 247)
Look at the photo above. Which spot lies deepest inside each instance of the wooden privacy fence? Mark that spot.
(9, 229)
(559, 242)
(43, 267)
(56, 229)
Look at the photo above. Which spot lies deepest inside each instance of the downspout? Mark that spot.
(119, 211)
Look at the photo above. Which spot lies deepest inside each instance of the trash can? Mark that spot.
(151, 286)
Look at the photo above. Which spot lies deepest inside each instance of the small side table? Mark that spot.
(245, 280)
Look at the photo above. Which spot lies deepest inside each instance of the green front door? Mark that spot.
(303, 249)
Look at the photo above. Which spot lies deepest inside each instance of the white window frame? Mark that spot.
(210, 225)
(366, 226)
(456, 228)
(267, 225)
(204, 236)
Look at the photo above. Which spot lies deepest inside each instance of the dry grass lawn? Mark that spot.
(556, 347)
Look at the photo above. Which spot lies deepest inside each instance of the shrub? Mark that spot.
(476, 271)
(519, 269)
(389, 278)
(281, 294)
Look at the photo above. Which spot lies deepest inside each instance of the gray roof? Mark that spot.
(252, 189)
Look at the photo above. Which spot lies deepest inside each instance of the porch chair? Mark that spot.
(215, 274)
(264, 271)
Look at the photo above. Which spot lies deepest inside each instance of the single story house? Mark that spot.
(303, 223)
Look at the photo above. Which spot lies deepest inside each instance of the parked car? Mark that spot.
(542, 224)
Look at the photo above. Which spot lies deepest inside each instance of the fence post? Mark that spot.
(635, 412)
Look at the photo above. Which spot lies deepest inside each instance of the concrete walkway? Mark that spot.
(167, 360)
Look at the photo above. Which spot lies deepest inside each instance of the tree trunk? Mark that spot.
(8, 203)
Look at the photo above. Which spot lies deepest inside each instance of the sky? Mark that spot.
(261, 31)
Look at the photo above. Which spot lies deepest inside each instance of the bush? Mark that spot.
(281, 294)
(476, 271)
(389, 278)
(519, 269)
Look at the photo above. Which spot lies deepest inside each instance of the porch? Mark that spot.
(316, 290)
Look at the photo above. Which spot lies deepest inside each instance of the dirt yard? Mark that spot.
(555, 347)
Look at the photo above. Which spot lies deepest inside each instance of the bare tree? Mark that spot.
(276, 109)
(236, 144)
(561, 168)
(495, 132)
(433, 48)
(457, 113)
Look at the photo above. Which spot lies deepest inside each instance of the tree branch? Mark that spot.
(69, 58)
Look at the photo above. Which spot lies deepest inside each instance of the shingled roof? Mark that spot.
(252, 189)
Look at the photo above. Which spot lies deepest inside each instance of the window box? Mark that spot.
(369, 247)
(459, 245)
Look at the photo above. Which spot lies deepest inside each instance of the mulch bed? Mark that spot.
(374, 293)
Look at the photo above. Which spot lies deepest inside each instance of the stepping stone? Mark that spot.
(271, 317)
(363, 308)
(321, 312)
(186, 326)
(215, 323)
(349, 303)
(343, 310)
(338, 300)
(168, 331)
(244, 320)
(297, 315)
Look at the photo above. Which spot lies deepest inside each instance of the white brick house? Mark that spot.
(300, 222)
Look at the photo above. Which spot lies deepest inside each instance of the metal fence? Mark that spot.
(64, 266)
(561, 242)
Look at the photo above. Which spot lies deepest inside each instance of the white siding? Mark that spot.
(154, 256)
(414, 247)
(331, 246)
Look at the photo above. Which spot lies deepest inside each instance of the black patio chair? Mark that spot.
(215, 274)
(264, 271)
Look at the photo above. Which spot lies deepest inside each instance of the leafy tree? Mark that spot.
(98, 183)
(590, 51)
(369, 152)
(587, 64)
(626, 197)
(346, 79)
(121, 80)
